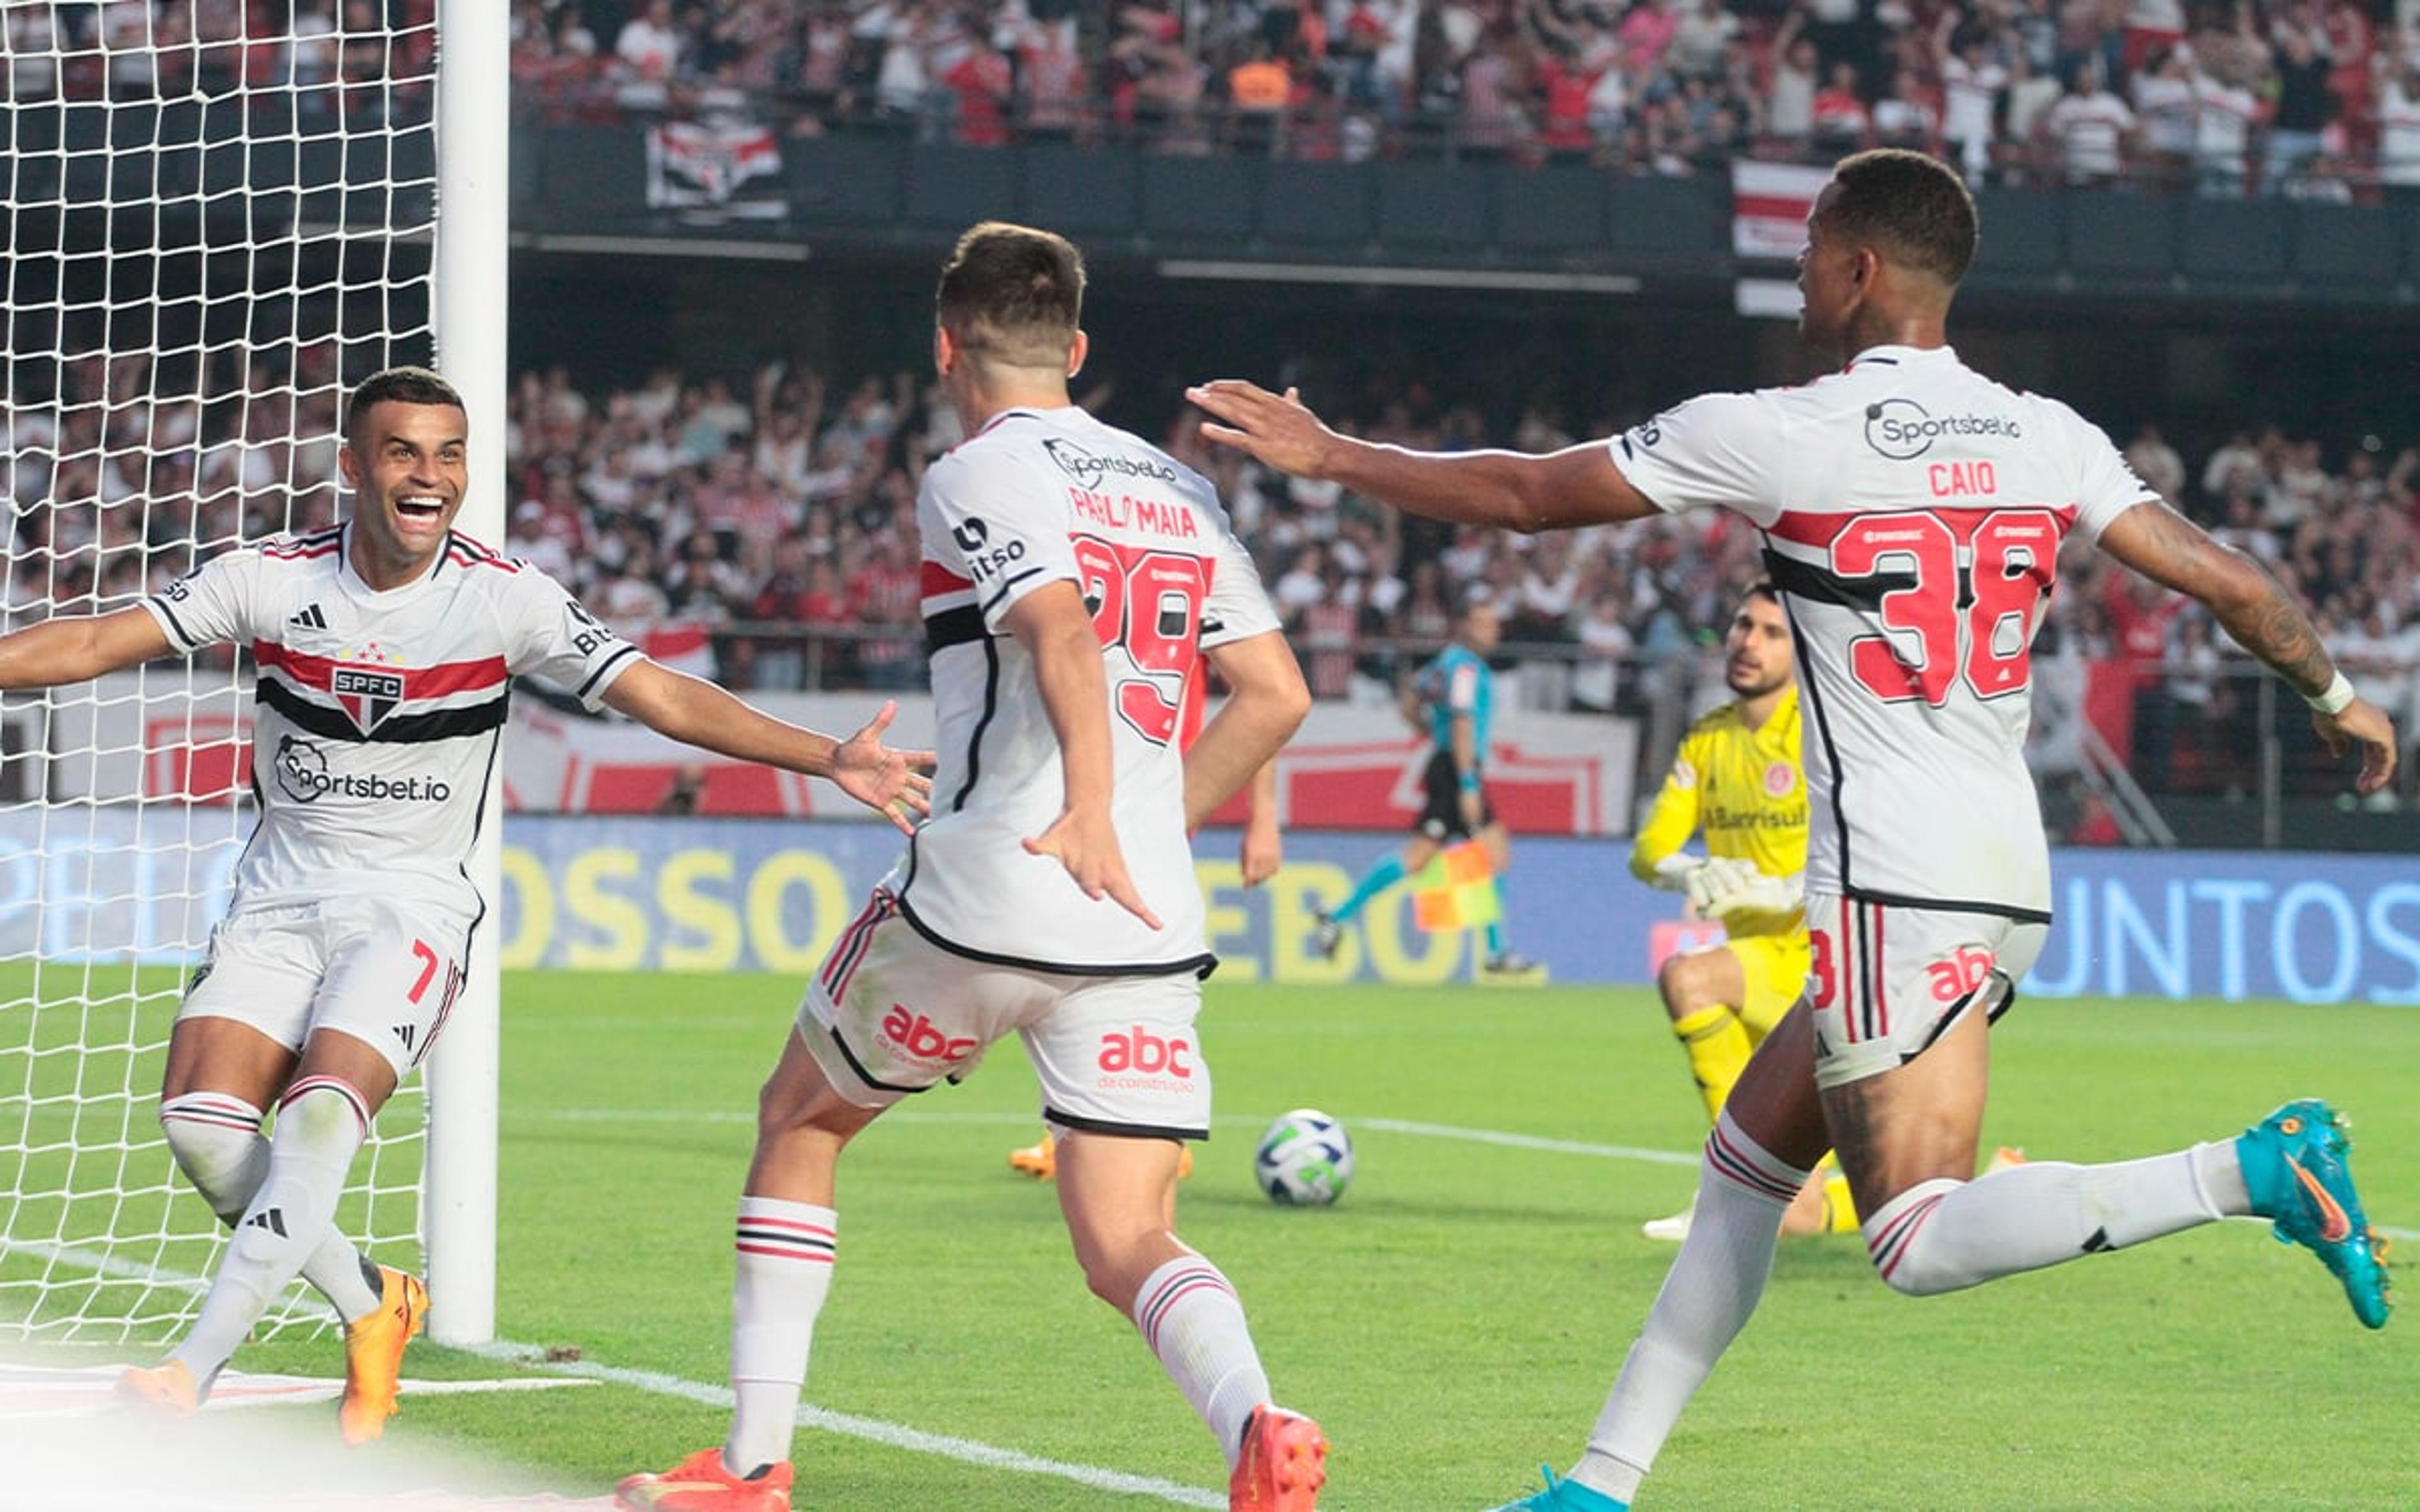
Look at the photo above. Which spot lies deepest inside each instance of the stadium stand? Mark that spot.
(2319, 98)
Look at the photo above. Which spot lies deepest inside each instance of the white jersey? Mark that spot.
(1040, 497)
(1913, 511)
(376, 714)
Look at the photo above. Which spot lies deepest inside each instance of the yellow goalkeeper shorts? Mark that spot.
(1775, 967)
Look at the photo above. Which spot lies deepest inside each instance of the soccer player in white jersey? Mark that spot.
(1913, 512)
(1075, 579)
(384, 650)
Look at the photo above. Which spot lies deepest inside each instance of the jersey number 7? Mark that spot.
(1148, 603)
(1945, 621)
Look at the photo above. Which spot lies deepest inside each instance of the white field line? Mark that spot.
(894, 1435)
(969, 1451)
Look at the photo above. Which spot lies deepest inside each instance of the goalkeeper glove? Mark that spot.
(1720, 879)
(1758, 892)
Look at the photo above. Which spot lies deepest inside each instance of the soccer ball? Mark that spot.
(1305, 1160)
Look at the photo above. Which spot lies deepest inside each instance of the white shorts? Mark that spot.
(384, 973)
(892, 1014)
(1888, 981)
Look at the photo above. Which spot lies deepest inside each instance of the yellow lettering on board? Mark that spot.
(622, 922)
(699, 912)
(777, 947)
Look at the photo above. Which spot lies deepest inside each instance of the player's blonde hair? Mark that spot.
(1012, 294)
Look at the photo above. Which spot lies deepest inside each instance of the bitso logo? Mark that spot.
(1901, 429)
(369, 694)
(916, 1037)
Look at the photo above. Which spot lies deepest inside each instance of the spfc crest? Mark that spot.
(369, 694)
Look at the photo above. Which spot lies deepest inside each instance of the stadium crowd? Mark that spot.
(367, 63)
(762, 532)
(2319, 98)
(765, 531)
(2312, 97)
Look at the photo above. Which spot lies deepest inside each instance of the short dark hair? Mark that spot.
(1012, 293)
(1762, 588)
(1914, 208)
(402, 385)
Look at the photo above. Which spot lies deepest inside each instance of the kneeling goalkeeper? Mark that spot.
(1737, 777)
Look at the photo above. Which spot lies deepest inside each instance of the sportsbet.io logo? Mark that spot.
(1901, 430)
(303, 775)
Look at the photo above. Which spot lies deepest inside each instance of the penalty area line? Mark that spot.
(891, 1435)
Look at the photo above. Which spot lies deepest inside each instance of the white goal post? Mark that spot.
(210, 238)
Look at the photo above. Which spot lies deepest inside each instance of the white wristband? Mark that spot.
(2339, 696)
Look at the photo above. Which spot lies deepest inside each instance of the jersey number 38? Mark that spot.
(1959, 591)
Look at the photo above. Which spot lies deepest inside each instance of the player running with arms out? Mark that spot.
(1913, 512)
(1452, 702)
(384, 648)
(1073, 576)
(1736, 778)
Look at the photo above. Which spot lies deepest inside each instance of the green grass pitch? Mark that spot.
(1456, 1320)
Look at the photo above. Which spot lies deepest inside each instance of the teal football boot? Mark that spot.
(2294, 1167)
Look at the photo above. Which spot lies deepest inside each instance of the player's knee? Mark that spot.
(1908, 1251)
(1114, 1265)
(217, 1146)
(1686, 983)
(321, 1112)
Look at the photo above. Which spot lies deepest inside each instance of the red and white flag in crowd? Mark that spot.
(715, 171)
(1769, 206)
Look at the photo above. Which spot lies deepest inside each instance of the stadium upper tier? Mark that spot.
(2319, 97)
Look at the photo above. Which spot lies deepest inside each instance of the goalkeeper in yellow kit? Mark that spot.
(1737, 778)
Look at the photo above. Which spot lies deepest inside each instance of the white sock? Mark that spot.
(1192, 1320)
(786, 1252)
(1712, 1288)
(217, 1142)
(320, 1124)
(1944, 1235)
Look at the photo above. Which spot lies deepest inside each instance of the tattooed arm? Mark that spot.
(2259, 614)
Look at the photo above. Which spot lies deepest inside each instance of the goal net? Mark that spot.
(219, 216)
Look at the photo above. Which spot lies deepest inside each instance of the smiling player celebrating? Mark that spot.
(384, 649)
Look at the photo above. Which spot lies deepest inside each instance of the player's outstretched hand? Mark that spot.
(2364, 724)
(1276, 428)
(896, 784)
(1087, 846)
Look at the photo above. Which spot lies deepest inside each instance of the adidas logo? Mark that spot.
(309, 619)
(405, 1032)
(273, 1220)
